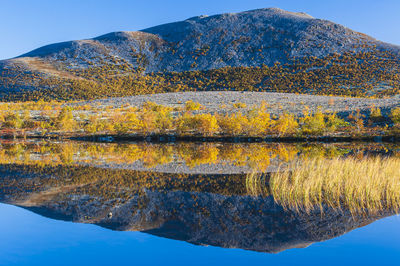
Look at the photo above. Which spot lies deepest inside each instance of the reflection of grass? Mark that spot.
(256, 184)
(360, 185)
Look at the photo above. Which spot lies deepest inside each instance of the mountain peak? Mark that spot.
(271, 11)
(277, 11)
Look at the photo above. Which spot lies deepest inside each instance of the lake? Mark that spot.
(86, 203)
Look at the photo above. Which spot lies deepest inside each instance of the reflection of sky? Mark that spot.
(29, 239)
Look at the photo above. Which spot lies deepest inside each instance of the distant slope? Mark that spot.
(242, 50)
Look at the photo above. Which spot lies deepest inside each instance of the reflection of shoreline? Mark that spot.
(191, 158)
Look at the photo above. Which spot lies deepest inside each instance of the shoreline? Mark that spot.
(109, 138)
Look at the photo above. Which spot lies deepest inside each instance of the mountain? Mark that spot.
(266, 49)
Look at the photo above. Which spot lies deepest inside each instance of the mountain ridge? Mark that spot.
(169, 33)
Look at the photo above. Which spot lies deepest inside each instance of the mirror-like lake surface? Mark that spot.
(80, 203)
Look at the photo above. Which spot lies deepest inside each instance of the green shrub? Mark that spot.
(395, 116)
(376, 114)
(13, 120)
(313, 124)
(65, 120)
(333, 123)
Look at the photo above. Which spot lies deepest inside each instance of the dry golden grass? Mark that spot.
(368, 185)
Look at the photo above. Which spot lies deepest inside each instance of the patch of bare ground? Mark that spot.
(41, 66)
(277, 103)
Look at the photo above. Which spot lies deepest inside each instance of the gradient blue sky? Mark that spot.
(27, 24)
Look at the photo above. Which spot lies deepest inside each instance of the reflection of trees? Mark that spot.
(255, 155)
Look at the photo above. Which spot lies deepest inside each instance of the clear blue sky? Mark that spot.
(28, 24)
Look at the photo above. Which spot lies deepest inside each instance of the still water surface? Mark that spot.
(180, 204)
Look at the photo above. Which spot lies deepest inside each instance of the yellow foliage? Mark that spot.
(313, 124)
(259, 122)
(286, 124)
(192, 106)
(65, 120)
(233, 124)
(375, 114)
(239, 105)
(204, 124)
(395, 116)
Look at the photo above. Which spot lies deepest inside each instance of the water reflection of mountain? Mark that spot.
(201, 209)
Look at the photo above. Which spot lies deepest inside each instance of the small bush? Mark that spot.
(333, 123)
(13, 120)
(259, 122)
(204, 124)
(313, 124)
(376, 114)
(65, 120)
(98, 124)
(395, 116)
(130, 122)
(192, 106)
(286, 124)
(234, 124)
(358, 122)
(239, 105)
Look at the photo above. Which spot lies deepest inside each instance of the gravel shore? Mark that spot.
(277, 103)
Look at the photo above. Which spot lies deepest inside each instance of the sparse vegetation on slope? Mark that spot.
(365, 74)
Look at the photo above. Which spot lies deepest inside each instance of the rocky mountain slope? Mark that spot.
(254, 44)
